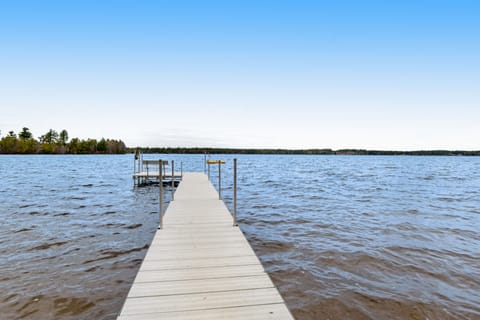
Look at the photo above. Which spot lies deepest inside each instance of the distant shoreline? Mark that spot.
(305, 151)
(53, 142)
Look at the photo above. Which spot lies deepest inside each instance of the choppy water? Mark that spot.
(342, 236)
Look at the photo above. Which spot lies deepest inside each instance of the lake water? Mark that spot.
(357, 237)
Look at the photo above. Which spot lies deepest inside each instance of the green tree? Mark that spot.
(9, 144)
(102, 146)
(72, 147)
(25, 134)
(48, 148)
(115, 146)
(87, 146)
(28, 146)
(63, 136)
(50, 137)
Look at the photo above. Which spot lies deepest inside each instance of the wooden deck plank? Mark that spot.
(194, 245)
(163, 264)
(261, 312)
(146, 289)
(199, 266)
(197, 254)
(199, 273)
(195, 238)
(201, 301)
(211, 230)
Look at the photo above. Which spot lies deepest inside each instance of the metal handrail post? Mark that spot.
(173, 181)
(219, 181)
(160, 185)
(235, 192)
(205, 163)
(181, 169)
(209, 171)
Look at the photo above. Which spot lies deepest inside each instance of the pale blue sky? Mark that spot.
(292, 74)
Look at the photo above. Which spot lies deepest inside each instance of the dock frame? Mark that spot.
(143, 175)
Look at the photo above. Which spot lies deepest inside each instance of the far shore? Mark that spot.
(211, 151)
(53, 142)
(305, 151)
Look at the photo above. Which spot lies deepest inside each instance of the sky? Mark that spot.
(391, 75)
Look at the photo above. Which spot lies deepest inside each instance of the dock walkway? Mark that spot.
(201, 267)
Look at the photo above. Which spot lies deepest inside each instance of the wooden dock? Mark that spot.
(199, 266)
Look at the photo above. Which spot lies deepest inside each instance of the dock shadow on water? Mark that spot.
(341, 237)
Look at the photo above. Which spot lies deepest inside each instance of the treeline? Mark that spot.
(53, 142)
(307, 151)
(227, 151)
(409, 153)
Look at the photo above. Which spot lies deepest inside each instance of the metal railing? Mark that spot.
(161, 174)
(219, 163)
(160, 186)
(209, 162)
(235, 192)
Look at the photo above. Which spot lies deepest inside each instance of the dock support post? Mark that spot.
(160, 185)
(147, 175)
(173, 181)
(219, 181)
(235, 192)
(134, 169)
(159, 171)
(138, 166)
(141, 166)
(139, 160)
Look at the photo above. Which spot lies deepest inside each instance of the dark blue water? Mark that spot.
(342, 236)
